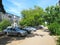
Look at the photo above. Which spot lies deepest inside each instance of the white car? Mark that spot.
(15, 31)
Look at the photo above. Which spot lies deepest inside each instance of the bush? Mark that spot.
(54, 28)
(4, 24)
(58, 41)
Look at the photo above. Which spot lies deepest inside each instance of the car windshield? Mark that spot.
(16, 29)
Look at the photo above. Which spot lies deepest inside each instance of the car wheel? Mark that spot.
(6, 33)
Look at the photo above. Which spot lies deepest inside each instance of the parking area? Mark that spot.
(39, 37)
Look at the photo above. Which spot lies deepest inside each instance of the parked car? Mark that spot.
(33, 29)
(30, 29)
(15, 31)
(40, 27)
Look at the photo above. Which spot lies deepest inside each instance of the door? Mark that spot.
(13, 32)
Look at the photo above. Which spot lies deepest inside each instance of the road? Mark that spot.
(37, 38)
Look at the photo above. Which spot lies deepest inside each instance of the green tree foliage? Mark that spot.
(32, 17)
(58, 41)
(52, 16)
(4, 24)
(37, 16)
(54, 28)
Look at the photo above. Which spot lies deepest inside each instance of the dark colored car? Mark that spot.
(15, 31)
(30, 29)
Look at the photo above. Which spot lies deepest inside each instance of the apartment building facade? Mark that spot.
(9, 17)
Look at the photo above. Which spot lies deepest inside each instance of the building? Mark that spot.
(1, 16)
(9, 17)
(4, 15)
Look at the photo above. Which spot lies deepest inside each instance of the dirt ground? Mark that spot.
(37, 38)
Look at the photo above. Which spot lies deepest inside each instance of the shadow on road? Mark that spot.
(32, 35)
(8, 39)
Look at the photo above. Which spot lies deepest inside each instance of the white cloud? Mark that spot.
(16, 3)
(13, 11)
(18, 7)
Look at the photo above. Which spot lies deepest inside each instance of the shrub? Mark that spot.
(4, 24)
(58, 41)
(54, 28)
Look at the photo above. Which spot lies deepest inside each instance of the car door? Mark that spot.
(9, 31)
(13, 32)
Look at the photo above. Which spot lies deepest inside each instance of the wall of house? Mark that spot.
(9, 17)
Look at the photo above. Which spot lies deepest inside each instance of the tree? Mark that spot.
(2, 7)
(4, 24)
(52, 16)
(32, 17)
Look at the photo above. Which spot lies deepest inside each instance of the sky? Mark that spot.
(16, 6)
